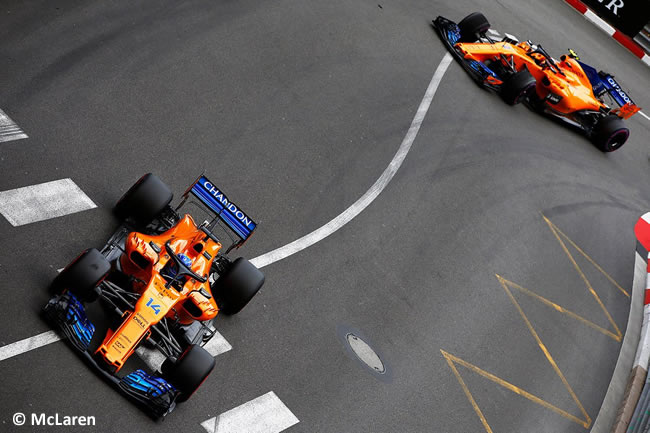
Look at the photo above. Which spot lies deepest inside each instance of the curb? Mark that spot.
(620, 392)
(637, 339)
(621, 38)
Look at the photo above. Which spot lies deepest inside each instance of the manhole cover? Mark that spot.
(365, 353)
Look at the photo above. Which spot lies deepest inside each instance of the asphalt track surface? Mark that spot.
(295, 108)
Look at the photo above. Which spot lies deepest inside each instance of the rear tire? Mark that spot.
(610, 133)
(237, 286)
(83, 275)
(516, 87)
(472, 26)
(189, 372)
(145, 200)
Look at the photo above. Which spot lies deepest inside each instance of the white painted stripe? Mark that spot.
(646, 59)
(265, 414)
(599, 22)
(5, 138)
(7, 134)
(217, 345)
(154, 359)
(644, 115)
(43, 201)
(9, 130)
(357, 207)
(28, 344)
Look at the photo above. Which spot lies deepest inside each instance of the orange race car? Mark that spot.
(524, 72)
(165, 278)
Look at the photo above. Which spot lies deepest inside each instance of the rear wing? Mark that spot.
(219, 204)
(603, 83)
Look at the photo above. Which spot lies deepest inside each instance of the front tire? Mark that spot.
(610, 133)
(145, 200)
(472, 26)
(189, 372)
(516, 87)
(237, 286)
(83, 275)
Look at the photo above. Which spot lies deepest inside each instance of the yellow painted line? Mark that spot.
(507, 286)
(587, 422)
(451, 359)
(559, 308)
(583, 276)
(586, 256)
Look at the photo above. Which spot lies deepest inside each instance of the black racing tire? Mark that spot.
(83, 275)
(237, 286)
(610, 133)
(516, 87)
(189, 371)
(472, 26)
(145, 200)
(536, 103)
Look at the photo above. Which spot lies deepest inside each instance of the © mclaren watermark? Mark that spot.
(52, 420)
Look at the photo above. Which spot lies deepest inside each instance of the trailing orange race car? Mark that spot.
(524, 72)
(164, 277)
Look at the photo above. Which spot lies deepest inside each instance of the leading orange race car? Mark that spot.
(164, 277)
(524, 72)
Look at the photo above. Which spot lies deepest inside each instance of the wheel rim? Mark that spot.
(617, 139)
(524, 93)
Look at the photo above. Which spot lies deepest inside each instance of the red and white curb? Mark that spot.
(621, 38)
(639, 368)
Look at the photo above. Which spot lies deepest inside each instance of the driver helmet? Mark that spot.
(172, 270)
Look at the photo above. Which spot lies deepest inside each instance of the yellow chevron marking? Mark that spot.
(507, 285)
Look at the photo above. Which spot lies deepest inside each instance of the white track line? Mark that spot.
(357, 207)
(9, 130)
(644, 115)
(25, 345)
(44, 201)
(31, 343)
(265, 414)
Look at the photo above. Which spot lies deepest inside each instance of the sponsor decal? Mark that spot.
(618, 90)
(627, 16)
(613, 5)
(218, 202)
(221, 197)
(140, 321)
(553, 98)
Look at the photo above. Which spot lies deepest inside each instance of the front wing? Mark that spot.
(450, 35)
(154, 393)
